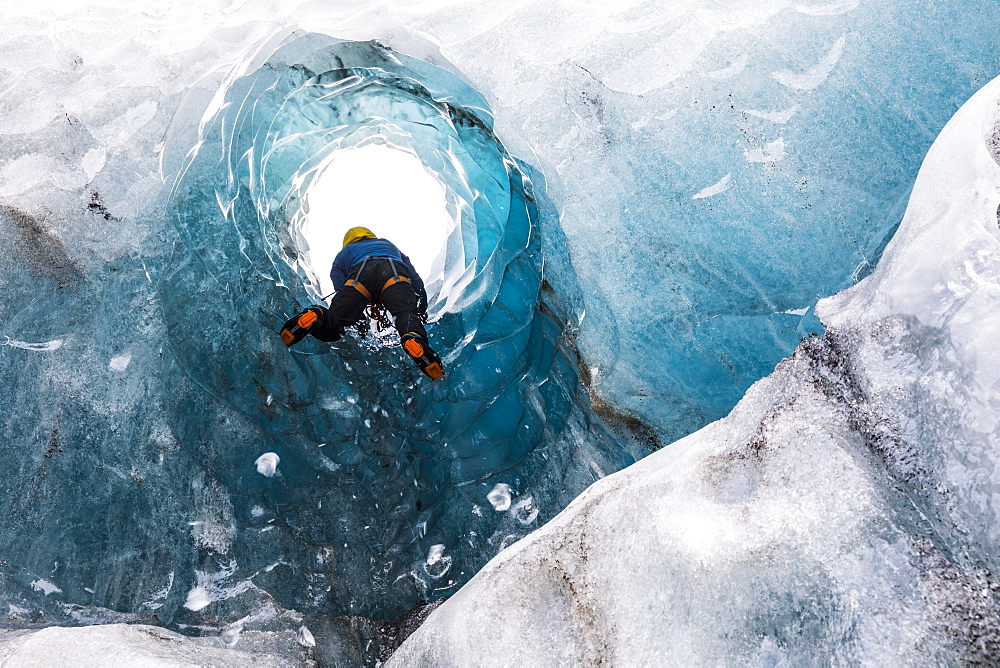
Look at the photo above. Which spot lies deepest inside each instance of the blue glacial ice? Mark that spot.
(677, 186)
(844, 513)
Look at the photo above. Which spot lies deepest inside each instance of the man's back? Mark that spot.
(354, 253)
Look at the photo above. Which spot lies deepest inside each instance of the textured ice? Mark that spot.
(152, 305)
(843, 514)
(127, 645)
(150, 190)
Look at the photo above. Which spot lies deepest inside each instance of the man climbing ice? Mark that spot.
(369, 270)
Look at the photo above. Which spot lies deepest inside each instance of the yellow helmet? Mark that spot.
(357, 234)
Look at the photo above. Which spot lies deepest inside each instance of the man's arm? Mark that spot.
(338, 273)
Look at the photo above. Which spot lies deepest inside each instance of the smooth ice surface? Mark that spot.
(844, 513)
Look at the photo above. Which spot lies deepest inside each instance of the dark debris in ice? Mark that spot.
(97, 206)
(43, 252)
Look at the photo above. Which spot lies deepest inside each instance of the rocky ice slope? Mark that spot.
(845, 512)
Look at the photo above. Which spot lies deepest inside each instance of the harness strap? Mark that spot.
(395, 279)
(351, 283)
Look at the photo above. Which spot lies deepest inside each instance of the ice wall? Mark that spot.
(843, 513)
(392, 470)
(204, 472)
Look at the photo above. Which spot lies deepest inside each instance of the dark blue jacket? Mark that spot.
(349, 259)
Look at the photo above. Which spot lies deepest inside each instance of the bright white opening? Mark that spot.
(384, 189)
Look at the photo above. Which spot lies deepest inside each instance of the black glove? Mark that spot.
(295, 329)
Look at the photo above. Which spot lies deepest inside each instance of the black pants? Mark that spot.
(347, 305)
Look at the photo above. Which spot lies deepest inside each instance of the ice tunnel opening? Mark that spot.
(317, 135)
(381, 187)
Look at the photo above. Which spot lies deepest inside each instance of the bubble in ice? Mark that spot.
(499, 497)
(267, 464)
(524, 511)
(434, 554)
(437, 562)
(120, 362)
(231, 635)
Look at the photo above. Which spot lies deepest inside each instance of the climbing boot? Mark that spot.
(296, 328)
(428, 360)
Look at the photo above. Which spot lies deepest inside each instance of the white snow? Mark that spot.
(45, 586)
(197, 599)
(499, 497)
(93, 162)
(215, 586)
(27, 171)
(55, 344)
(434, 554)
(828, 9)
(267, 464)
(120, 362)
(122, 645)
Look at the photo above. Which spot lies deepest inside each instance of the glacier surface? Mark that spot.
(844, 513)
(648, 201)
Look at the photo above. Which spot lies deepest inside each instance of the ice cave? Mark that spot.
(715, 286)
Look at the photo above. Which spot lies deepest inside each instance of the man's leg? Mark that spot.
(401, 302)
(345, 310)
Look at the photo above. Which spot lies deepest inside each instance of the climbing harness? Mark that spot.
(414, 344)
(375, 310)
(356, 284)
